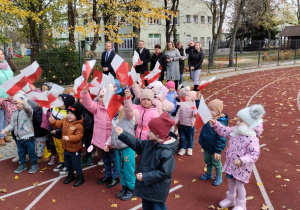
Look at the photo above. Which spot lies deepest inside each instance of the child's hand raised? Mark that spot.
(238, 162)
(66, 138)
(51, 119)
(84, 91)
(118, 130)
(3, 132)
(127, 93)
(212, 122)
(139, 177)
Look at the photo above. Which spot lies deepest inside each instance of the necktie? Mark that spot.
(106, 56)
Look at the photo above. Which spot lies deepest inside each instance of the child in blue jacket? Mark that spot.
(212, 143)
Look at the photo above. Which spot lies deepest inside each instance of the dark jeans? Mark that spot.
(72, 161)
(151, 205)
(186, 134)
(110, 161)
(87, 136)
(27, 146)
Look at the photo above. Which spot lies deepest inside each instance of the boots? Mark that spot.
(79, 181)
(7, 139)
(127, 195)
(122, 192)
(69, 179)
(240, 204)
(228, 201)
(2, 142)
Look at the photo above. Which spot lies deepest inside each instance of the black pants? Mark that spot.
(72, 161)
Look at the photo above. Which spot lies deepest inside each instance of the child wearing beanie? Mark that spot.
(59, 113)
(72, 133)
(242, 152)
(172, 96)
(146, 111)
(185, 118)
(212, 143)
(157, 162)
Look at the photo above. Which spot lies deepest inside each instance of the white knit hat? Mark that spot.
(21, 96)
(252, 115)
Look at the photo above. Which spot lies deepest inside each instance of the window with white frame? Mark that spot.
(154, 39)
(195, 18)
(208, 41)
(188, 18)
(172, 38)
(195, 39)
(202, 41)
(153, 21)
(177, 20)
(127, 44)
(209, 19)
(202, 19)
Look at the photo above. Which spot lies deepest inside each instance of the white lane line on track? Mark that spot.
(40, 184)
(43, 193)
(262, 145)
(171, 190)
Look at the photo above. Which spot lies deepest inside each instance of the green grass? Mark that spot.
(21, 63)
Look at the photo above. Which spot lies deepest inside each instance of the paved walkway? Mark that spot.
(10, 150)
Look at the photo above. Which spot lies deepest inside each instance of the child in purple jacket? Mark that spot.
(242, 152)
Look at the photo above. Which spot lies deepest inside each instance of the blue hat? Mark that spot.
(119, 89)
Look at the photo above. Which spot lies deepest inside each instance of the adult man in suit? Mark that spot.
(145, 58)
(106, 59)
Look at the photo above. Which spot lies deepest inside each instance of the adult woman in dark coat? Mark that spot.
(196, 57)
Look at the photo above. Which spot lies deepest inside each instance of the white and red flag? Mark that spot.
(121, 67)
(112, 103)
(154, 74)
(102, 80)
(87, 68)
(96, 73)
(79, 84)
(204, 83)
(15, 84)
(136, 59)
(45, 100)
(32, 72)
(203, 115)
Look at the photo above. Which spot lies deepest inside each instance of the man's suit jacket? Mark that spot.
(107, 63)
(146, 58)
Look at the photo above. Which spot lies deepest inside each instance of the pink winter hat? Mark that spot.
(171, 84)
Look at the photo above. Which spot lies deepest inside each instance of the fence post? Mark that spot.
(236, 48)
(79, 51)
(208, 68)
(295, 59)
(278, 56)
(258, 64)
(4, 48)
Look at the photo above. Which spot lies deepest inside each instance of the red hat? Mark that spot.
(161, 125)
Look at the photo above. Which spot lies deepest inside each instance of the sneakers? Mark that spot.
(63, 171)
(16, 159)
(59, 167)
(100, 163)
(228, 201)
(206, 176)
(182, 151)
(89, 161)
(218, 180)
(122, 192)
(20, 169)
(189, 152)
(43, 160)
(52, 160)
(33, 169)
(127, 195)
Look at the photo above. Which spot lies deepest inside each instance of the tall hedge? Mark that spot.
(60, 64)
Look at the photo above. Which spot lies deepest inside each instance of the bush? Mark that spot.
(283, 55)
(60, 64)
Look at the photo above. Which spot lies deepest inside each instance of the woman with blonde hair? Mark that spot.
(196, 57)
(172, 57)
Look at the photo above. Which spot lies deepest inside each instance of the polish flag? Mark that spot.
(134, 76)
(203, 115)
(96, 73)
(102, 80)
(136, 59)
(87, 68)
(121, 67)
(112, 103)
(32, 72)
(204, 83)
(154, 74)
(94, 91)
(79, 84)
(15, 84)
(45, 100)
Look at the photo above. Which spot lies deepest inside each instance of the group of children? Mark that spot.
(145, 125)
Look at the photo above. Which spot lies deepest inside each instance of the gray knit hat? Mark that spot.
(252, 115)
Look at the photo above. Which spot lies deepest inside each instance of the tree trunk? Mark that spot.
(71, 22)
(41, 26)
(171, 29)
(241, 45)
(137, 31)
(269, 38)
(96, 30)
(33, 35)
(239, 7)
(214, 47)
(298, 11)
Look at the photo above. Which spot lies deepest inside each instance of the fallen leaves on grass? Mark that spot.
(265, 207)
(176, 181)
(16, 177)
(114, 205)
(3, 190)
(250, 198)
(176, 196)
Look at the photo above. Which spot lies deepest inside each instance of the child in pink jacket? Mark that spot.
(146, 112)
(185, 120)
(102, 132)
(242, 152)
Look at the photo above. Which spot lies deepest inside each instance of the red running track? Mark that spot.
(277, 166)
